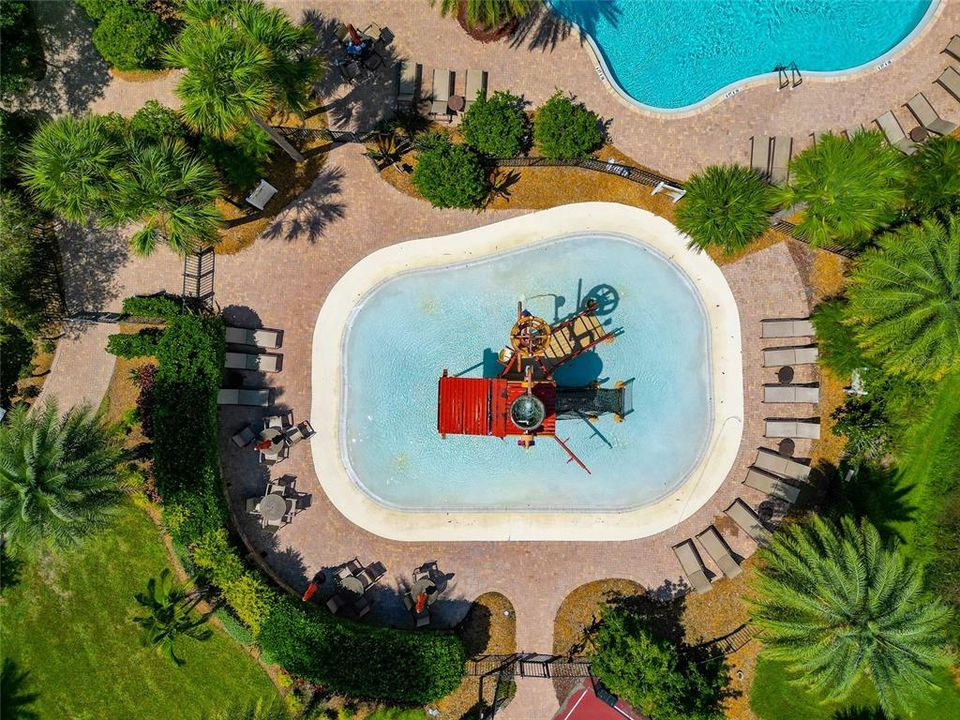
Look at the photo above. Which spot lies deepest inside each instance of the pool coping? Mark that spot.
(733, 89)
(655, 232)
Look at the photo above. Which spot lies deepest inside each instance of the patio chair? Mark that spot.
(717, 549)
(760, 155)
(692, 565)
(928, 117)
(440, 92)
(771, 485)
(774, 357)
(950, 81)
(381, 36)
(353, 566)
(408, 80)
(272, 421)
(361, 606)
(371, 574)
(791, 394)
(342, 32)
(235, 396)
(773, 462)
(244, 437)
(782, 152)
(258, 338)
(802, 429)
(953, 47)
(890, 126)
(853, 130)
(343, 572)
(420, 619)
(253, 505)
(336, 603)
(476, 83)
(744, 516)
(786, 328)
(349, 69)
(372, 60)
(269, 458)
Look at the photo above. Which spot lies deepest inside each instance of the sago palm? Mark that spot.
(243, 62)
(905, 300)
(172, 193)
(59, 477)
(934, 185)
(836, 605)
(725, 206)
(68, 166)
(488, 14)
(851, 188)
(169, 616)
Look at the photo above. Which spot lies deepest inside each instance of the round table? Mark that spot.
(786, 447)
(456, 103)
(274, 435)
(785, 375)
(424, 585)
(919, 134)
(352, 585)
(273, 507)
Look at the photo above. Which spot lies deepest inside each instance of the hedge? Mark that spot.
(131, 38)
(449, 175)
(565, 130)
(152, 306)
(128, 345)
(497, 126)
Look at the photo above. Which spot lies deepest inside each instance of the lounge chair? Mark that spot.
(894, 133)
(257, 398)
(692, 566)
(853, 130)
(928, 117)
(760, 155)
(791, 394)
(782, 152)
(950, 81)
(251, 361)
(258, 338)
(244, 437)
(408, 80)
(717, 549)
(440, 92)
(774, 462)
(776, 357)
(784, 328)
(803, 429)
(771, 485)
(744, 516)
(818, 135)
(953, 47)
(476, 83)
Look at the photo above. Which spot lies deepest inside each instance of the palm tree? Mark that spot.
(68, 166)
(488, 14)
(725, 206)
(172, 193)
(934, 185)
(905, 300)
(851, 188)
(243, 62)
(836, 605)
(59, 477)
(169, 616)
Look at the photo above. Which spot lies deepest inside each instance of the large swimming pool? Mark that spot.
(411, 327)
(671, 54)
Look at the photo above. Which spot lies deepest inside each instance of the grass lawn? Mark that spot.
(772, 697)
(67, 624)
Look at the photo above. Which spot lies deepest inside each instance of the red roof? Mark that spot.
(583, 704)
(481, 406)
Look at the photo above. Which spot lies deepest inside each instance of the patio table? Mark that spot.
(352, 585)
(456, 103)
(273, 507)
(275, 436)
(919, 134)
(424, 585)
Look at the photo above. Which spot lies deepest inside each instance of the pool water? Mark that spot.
(673, 53)
(408, 329)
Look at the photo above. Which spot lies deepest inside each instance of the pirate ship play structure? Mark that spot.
(524, 400)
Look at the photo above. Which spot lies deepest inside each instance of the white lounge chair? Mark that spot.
(771, 485)
(258, 398)
(774, 462)
(476, 83)
(782, 152)
(717, 549)
(258, 338)
(692, 565)
(785, 328)
(894, 133)
(928, 117)
(744, 516)
(760, 155)
(791, 394)
(778, 357)
(802, 429)
(408, 80)
(950, 81)
(440, 92)
(250, 361)
(953, 47)
(853, 130)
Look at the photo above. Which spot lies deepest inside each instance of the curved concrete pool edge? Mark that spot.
(652, 230)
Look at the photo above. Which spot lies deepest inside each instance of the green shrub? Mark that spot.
(934, 185)
(497, 126)
(863, 421)
(233, 627)
(241, 160)
(565, 130)
(21, 49)
(837, 343)
(154, 122)
(96, 9)
(361, 660)
(130, 38)
(129, 345)
(152, 306)
(449, 175)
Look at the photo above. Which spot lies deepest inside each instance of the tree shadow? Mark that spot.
(91, 259)
(872, 493)
(860, 713)
(10, 568)
(312, 212)
(543, 28)
(15, 698)
(474, 630)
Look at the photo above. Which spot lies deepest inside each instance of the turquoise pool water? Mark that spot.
(411, 327)
(673, 53)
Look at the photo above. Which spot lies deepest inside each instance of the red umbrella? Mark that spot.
(421, 602)
(354, 35)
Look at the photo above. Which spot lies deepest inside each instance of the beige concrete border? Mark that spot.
(640, 225)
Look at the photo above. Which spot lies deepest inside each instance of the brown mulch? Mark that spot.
(138, 76)
(27, 390)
